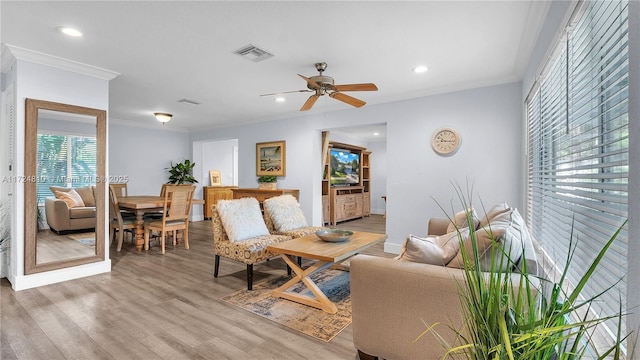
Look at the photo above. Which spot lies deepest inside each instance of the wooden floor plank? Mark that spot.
(152, 306)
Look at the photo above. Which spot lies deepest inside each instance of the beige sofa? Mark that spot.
(63, 218)
(394, 301)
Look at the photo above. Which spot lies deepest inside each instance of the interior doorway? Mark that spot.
(220, 155)
(374, 138)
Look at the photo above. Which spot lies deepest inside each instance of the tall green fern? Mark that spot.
(521, 316)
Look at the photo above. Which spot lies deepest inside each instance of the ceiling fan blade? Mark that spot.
(286, 92)
(309, 103)
(356, 87)
(347, 99)
(313, 84)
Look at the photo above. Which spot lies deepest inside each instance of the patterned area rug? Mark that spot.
(308, 320)
(84, 238)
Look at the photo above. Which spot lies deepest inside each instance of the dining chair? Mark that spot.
(175, 215)
(117, 221)
(120, 189)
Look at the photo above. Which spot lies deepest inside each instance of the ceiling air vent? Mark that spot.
(253, 53)
(189, 101)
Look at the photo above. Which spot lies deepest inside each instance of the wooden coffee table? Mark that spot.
(326, 254)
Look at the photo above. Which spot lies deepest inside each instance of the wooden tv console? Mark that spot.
(348, 202)
(341, 203)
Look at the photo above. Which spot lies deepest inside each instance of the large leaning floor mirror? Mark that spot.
(65, 147)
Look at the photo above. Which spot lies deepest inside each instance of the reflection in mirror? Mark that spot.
(66, 161)
(64, 166)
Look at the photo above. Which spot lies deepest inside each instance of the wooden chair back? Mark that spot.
(114, 208)
(120, 189)
(177, 202)
(163, 189)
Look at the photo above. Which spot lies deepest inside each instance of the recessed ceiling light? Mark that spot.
(419, 69)
(376, 133)
(70, 31)
(280, 99)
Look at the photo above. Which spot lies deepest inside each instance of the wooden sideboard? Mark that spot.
(212, 194)
(263, 194)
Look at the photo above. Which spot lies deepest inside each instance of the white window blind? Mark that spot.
(578, 150)
(65, 161)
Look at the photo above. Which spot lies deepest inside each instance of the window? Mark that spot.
(66, 161)
(577, 135)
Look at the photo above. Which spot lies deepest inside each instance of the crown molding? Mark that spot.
(11, 53)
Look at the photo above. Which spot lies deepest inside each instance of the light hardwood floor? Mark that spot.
(159, 307)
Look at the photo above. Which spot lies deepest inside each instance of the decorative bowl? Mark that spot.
(334, 235)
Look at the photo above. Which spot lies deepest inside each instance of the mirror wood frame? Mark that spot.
(32, 107)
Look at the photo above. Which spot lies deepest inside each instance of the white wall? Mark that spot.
(43, 82)
(489, 122)
(488, 119)
(142, 155)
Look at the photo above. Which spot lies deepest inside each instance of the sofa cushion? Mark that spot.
(460, 220)
(285, 213)
(86, 193)
(493, 212)
(82, 212)
(504, 230)
(71, 197)
(241, 218)
(434, 250)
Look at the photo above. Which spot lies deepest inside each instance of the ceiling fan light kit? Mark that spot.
(325, 85)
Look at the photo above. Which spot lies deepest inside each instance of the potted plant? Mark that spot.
(267, 182)
(523, 316)
(182, 173)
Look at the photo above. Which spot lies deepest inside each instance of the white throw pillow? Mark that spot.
(502, 231)
(241, 219)
(434, 250)
(71, 197)
(493, 212)
(460, 221)
(285, 212)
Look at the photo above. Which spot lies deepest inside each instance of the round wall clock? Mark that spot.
(445, 141)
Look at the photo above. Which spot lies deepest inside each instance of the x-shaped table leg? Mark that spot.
(320, 301)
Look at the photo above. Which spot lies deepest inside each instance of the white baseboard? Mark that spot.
(392, 248)
(24, 282)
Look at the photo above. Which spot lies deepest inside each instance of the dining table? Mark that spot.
(141, 204)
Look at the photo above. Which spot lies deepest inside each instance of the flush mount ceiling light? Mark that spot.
(419, 69)
(163, 117)
(280, 99)
(70, 31)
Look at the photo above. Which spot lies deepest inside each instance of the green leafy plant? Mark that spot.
(182, 173)
(521, 316)
(267, 179)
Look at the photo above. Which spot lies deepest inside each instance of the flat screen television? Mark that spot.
(344, 167)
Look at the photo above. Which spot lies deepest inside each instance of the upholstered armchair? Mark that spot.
(240, 234)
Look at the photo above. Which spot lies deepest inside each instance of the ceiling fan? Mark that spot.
(322, 84)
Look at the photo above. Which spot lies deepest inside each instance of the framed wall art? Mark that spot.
(271, 158)
(214, 177)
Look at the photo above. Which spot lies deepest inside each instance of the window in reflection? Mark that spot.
(65, 161)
